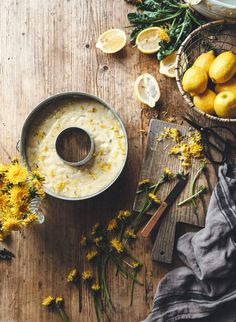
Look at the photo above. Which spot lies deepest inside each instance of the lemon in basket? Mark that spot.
(111, 41)
(225, 104)
(228, 86)
(223, 67)
(148, 40)
(205, 60)
(205, 101)
(195, 80)
(146, 90)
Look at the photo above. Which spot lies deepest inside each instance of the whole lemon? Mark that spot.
(205, 60)
(228, 86)
(205, 101)
(195, 80)
(223, 67)
(225, 104)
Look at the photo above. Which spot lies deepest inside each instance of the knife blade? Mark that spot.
(172, 196)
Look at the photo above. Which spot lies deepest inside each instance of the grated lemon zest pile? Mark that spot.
(186, 146)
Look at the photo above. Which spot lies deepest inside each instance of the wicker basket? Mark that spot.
(218, 35)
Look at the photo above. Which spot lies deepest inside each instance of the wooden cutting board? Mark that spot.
(155, 160)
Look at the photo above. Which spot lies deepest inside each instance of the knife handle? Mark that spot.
(145, 232)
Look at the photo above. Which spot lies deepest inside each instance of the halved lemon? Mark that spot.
(146, 90)
(148, 40)
(167, 65)
(111, 41)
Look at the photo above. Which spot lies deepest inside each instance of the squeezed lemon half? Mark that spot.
(167, 65)
(148, 40)
(111, 41)
(146, 90)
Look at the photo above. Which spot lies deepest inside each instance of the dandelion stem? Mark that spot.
(193, 185)
(62, 314)
(106, 291)
(96, 309)
(199, 192)
(132, 290)
(79, 285)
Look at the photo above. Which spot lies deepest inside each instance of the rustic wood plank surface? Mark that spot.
(48, 47)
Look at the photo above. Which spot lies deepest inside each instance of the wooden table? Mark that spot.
(48, 47)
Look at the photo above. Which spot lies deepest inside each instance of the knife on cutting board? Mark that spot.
(175, 192)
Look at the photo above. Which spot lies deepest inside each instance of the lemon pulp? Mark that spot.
(111, 41)
(148, 40)
(167, 65)
(146, 90)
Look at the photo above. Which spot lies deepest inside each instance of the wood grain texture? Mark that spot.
(48, 47)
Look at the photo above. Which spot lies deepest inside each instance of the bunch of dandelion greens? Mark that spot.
(175, 18)
(18, 187)
(103, 246)
(56, 304)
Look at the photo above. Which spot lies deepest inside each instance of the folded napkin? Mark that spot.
(208, 281)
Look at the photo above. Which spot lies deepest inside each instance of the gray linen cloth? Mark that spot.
(208, 281)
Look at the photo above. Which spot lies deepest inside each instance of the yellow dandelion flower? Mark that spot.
(3, 168)
(37, 175)
(19, 194)
(95, 287)
(95, 229)
(144, 183)
(30, 219)
(91, 255)
(154, 198)
(19, 210)
(3, 202)
(11, 224)
(15, 160)
(87, 275)
(168, 173)
(17, 173)
(135, 264)
(48, 301)
(59, 301)
(3, 185)
(124, 214)
(83, 241)
(112, 225)
(98, 240)
(73, 276)
(37, 187)
(130, 234)
(163, 35)
(116, 244)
